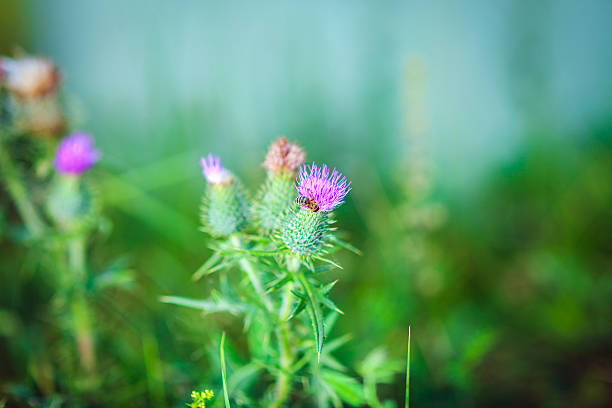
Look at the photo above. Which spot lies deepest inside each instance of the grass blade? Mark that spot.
(408, 373)
(223, 373)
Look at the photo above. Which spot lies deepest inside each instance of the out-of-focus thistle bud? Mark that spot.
(284, 157)
(277, 194)
(71, 202)
(224, 208)
(29, 77)
(76, 154)
(32, 82)
(306, 228)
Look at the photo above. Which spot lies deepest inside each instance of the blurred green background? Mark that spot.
(477, 135)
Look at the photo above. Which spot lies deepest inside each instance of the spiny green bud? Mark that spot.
(278, 192)
(273, 200)
(225, 208)
(72, 203)
(305, 232)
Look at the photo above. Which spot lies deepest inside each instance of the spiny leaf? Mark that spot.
(298, 308)
(316, 316)
(298, 294)
(330, 304)
(278, 283)
(345, 245)
(329, 261)
(327, 287)
(214, 258)
(207, 306)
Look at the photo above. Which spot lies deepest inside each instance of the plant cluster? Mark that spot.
(269, 254)
(44, 164)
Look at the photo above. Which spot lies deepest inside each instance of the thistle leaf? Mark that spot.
(202, 270)
(298, 309)
(208, 306)
(326, 288)
(329, 261)
(333, 239)
(348, 388)
(278, 283)
(330, 304)
(314, 310)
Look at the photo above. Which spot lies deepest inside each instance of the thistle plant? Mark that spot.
(56, 206)
(270, 267)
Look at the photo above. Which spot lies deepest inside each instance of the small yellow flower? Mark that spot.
(199, 398)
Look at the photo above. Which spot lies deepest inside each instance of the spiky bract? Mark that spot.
(273, 200)
(73, 203)
(225, 208)
(304, 232)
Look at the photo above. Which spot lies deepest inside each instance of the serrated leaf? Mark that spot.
(314, 311)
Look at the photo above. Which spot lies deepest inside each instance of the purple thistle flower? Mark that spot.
(75, 154)
(327, 190)
(213, 171)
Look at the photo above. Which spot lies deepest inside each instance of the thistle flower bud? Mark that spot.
(306, 228)
(75, 154)
(29, 77)
(224, 209)
(71, 202)
(277, 194)
(284, 156)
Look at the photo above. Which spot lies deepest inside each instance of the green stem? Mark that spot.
(283, 382)
(19, 194)
(249, 269)
(79, 307)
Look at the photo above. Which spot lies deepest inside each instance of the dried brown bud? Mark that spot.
(284, 156)
(29, 77)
